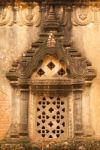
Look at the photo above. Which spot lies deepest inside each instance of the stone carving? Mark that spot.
(78, 112)
(70, 114)
(78, 67)
(6, 16)
(62, 14)
(22, 14)
(29, 16)
(51, 114)
(51, 40)
(82, 16)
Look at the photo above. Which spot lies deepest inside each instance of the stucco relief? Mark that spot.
(23, 14)
(29, 16)
(82, 16)
(6, 16)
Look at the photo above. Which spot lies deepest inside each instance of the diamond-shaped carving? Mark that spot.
(40, 72)
(51, 65)
(61, 72)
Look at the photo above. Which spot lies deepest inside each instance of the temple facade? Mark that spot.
(49, 60)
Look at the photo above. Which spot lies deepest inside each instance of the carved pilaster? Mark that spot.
(14, 133)
(78, 130)
(70, 116)
(86, 111)
(24, 112)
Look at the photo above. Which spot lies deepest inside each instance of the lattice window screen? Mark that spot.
(51, 67)
(51, 117)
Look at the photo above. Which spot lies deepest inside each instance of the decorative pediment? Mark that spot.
(78, 68)
(51, 43)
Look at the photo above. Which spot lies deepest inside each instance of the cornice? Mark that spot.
(51, 2)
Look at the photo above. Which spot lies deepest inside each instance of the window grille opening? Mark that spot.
(50, 119)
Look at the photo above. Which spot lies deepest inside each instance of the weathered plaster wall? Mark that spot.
(87, 40)
(13, 41)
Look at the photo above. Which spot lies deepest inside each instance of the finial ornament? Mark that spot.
(51, 40)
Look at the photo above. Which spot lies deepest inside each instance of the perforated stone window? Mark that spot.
(51, 120)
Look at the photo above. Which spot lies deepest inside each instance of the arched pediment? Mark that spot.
(78, 68)
(28, 67)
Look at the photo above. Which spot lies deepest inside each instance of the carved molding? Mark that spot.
(31, 15)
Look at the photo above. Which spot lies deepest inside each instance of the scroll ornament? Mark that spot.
(82, 16)
(6, 16)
